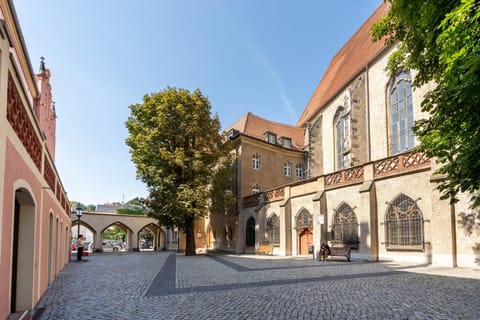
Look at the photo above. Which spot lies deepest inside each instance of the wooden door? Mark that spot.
(306, 240)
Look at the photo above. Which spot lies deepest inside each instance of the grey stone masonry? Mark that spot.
(164, 285)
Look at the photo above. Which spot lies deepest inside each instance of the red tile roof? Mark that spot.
(345, 65)
(255, 126)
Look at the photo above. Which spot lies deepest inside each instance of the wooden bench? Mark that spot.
(265, 249)
(339, 250)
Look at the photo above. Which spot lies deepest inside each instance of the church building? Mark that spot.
(362, 184)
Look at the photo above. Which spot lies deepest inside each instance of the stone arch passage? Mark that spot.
(151, 237)
(115, 237)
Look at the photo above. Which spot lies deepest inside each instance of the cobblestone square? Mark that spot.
(164, 285)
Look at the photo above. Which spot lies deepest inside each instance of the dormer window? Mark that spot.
(286, 142)
(232, 134)
(270, 137)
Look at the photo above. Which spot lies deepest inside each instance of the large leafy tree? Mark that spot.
(441, 40)
(175, 144)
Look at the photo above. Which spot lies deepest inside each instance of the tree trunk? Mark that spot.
(190, 238)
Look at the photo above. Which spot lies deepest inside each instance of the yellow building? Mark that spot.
(267, 154)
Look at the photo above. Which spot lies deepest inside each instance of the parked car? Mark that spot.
(145, 244)
(87, 246)
(114, 246)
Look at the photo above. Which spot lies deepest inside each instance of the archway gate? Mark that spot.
(97, 222)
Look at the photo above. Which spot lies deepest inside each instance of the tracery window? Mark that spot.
(304, 220)
(273, 229)
(404, 225)
(401, 113)
(342, 139)
(345, 226)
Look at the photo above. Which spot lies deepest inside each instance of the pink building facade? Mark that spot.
(34, 210)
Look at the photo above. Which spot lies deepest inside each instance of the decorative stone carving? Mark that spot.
(49, 174)
(274, 195)
(400, 163)
(18, 118)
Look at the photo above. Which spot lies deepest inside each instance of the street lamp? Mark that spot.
(79, 213)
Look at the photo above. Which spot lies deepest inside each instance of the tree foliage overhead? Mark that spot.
(441, 40)
(175, 144)
(221, 193)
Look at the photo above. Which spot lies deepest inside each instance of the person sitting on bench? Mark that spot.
(324, 251)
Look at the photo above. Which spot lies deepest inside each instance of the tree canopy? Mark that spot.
(175, 144)
(440, 40)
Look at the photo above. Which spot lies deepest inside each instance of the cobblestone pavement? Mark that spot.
(163, 285)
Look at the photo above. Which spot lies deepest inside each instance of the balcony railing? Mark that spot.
(401, 163)
(382, 168)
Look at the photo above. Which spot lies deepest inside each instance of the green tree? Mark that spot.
(136, 201)
(175, 145)
(76, 204)
(440, 39)
(221, 193)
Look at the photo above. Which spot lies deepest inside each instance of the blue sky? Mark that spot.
(265, 57)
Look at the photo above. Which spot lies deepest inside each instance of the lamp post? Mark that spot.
(79, 213)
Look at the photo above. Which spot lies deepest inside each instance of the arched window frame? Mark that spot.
(342, 135)
(304, 220)
(273, 229)
(345, 226)
(400, 111)
(404, 225)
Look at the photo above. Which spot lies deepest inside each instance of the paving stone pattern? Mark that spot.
(163, 285)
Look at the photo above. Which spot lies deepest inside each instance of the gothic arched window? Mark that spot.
(401, 113)
(304, 220)
(345, 226)
(404, 224)
(273, 229)
(342, 139)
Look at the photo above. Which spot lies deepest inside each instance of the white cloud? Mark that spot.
(261, 58)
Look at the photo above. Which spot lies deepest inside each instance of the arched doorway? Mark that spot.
(306, 240)
(250, 233)
(304, 226)
(23, 252)
(147, 238)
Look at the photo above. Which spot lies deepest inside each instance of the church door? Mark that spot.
(306, 240)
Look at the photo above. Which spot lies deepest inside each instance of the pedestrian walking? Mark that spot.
(79, 247)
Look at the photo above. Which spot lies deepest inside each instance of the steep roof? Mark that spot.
(345, 65)
(255, 126)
